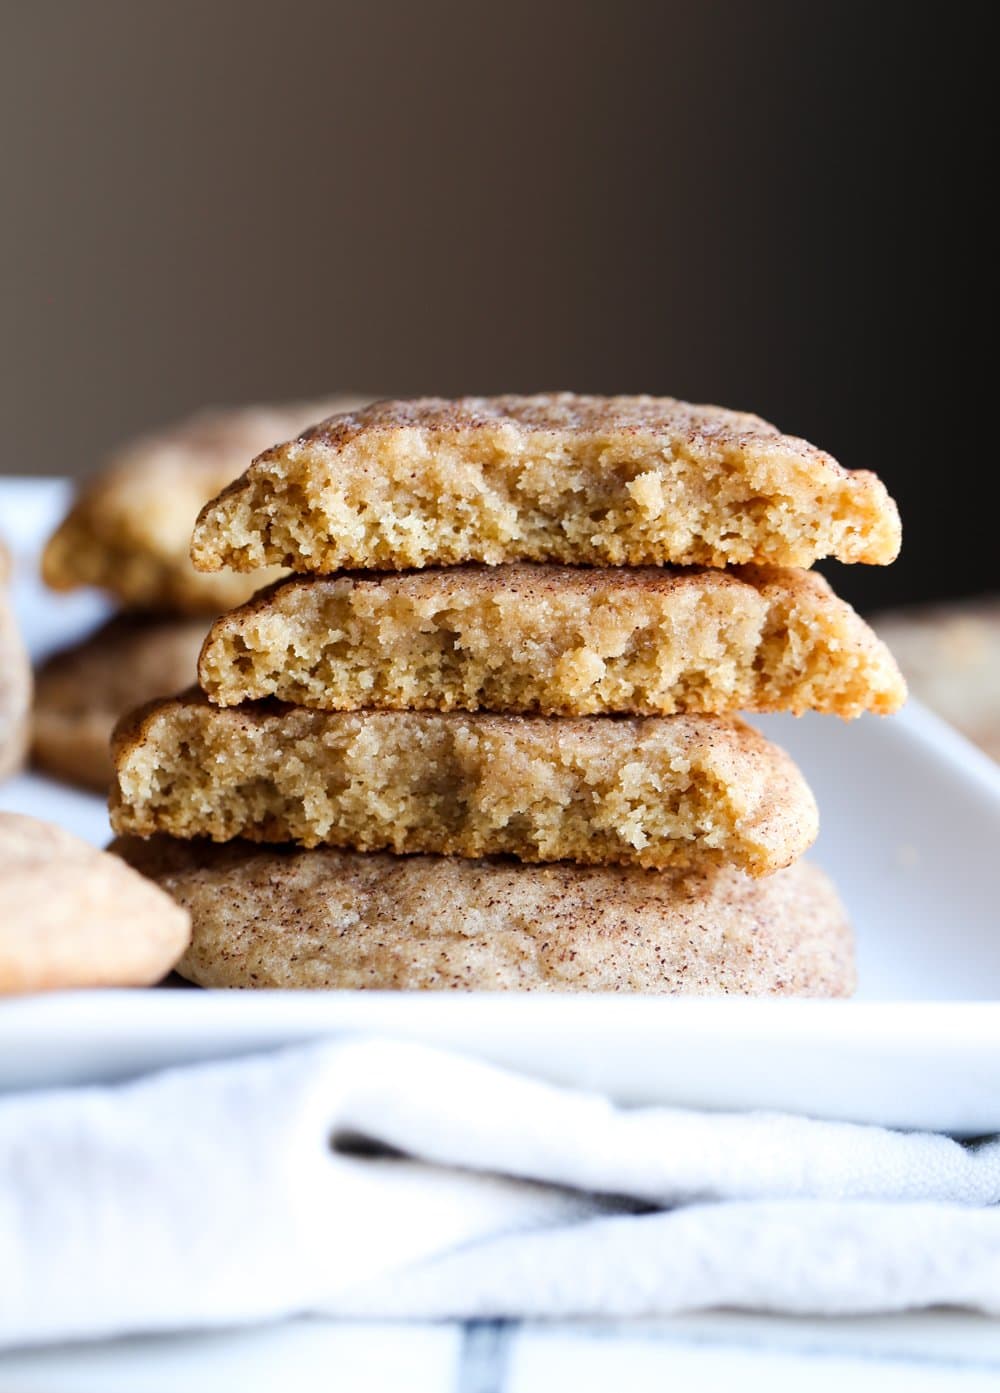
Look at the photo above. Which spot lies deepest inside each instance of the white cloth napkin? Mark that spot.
(253, 1189)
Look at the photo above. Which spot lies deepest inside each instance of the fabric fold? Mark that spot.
(235, 1192)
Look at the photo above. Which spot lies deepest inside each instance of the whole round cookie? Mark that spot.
(282, 917)
(82, 691)
(73, 916)
(15, 682)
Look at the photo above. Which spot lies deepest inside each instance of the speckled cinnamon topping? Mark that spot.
(553, 477)
(567, 412)
(645, 790)
(129, 529)
(278, 917)
(554, 639)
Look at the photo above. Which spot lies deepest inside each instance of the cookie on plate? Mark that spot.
(604, 481)
(951, 657)
(129, 530)
(73, 916)
(279, 917)
(560, 640)
(652, 791)
(15, 681)
(81, 692)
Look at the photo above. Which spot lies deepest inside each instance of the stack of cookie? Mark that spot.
(128, 532)
(530, 699)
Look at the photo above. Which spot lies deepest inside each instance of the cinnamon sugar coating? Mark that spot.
(280, 917)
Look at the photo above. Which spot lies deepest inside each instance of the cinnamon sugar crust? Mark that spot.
(281, 917)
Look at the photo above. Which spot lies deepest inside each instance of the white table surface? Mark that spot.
(931, 1353)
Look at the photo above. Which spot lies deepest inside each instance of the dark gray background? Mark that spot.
(778, 206)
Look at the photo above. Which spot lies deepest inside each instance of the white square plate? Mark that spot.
(910, 833)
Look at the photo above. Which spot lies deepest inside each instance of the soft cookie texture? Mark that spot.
(279, 917)
(15, 682)
(555, 477)
(129, 530)
(72, 916)
(560, 640)
(653, 791)
(82, 691)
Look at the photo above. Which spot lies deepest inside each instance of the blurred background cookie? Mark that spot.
(128, 532)
(950, 656)
(81, 691)
(15, 680)
(73, 916)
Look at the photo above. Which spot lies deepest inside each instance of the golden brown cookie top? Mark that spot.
(565, 412)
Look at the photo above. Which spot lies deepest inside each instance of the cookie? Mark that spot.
(561, 640)
(951, 657)
(129, 530)
(278, 917)
(652, 791)
(15, 682)
(604, 481)
(82, 691)
(72, 916)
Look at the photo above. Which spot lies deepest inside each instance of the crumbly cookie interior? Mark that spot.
(647, 791)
